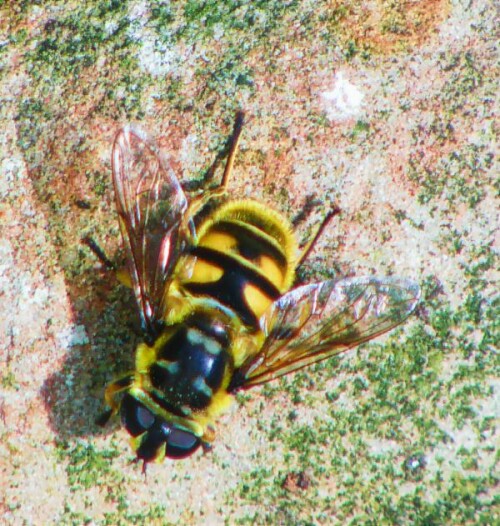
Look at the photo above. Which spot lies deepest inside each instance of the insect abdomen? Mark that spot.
(245, 259)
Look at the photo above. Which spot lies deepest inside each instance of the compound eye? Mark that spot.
(181, 444)
(136, 418)
(144, 417)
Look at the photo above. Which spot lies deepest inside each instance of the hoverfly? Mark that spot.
(214, 283)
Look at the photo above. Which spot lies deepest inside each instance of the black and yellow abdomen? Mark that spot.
(244, 259)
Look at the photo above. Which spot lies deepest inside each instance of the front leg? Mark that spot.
(118, 386)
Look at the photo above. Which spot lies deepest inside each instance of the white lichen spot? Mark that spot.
(218, 32)
(40, 296)
(189, 153)
(13, 172)
(110, 27)
(344, 101)
(72, 336)
(154, 56)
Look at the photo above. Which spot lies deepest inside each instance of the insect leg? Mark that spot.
(121, 274)
(99, 253)
(306, 250)
(114, 388)
(228, 150)
(213, 193)
(235, 140)
(208, 437)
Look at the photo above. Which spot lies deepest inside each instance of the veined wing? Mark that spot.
(316, 321)
(150, 204)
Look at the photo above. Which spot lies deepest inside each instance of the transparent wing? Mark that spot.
(150, 204)
(316, 321)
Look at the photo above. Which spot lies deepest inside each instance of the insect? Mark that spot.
(214, 282)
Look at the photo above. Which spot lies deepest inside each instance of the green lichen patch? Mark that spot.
(88, 466)
(452, 159)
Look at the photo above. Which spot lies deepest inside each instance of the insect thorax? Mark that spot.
(188, 365)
